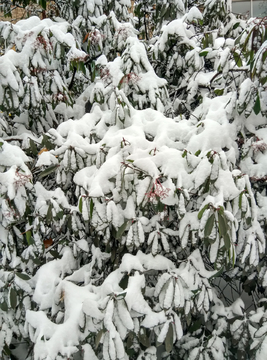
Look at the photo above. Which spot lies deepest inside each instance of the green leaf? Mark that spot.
(55, 254)
(121, 296)
(203, 53)
(6, 349)
(98, 338)
(3, 306)
(227, 241)
(22, 276)
(81, 204)
(257, 106)
(124, 282)
(29, 238)
(43, 3)
(236, 25)
(121, 230)
(91, 208)
(143, 338)
(222, 225)
(197, 152)
(82, 67)
(184, 153)
(1, 144)
(113, 254)
(217, 274)
(219, 92)
(209, 226)
(37, 261)
(195, 326)
(48, 171)
(47, 143)
(49, 214)
(59, 215)
(130, 339)
(13, 298)
(201, 212)
(206, 185)
(169, 339)
(160, 206)
(33, 148)
(238, 60)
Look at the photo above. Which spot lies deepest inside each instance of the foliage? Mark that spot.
(133, 171)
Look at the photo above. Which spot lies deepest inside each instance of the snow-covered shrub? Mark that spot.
(133, 173)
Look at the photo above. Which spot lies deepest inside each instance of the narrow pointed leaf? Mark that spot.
(81, 205)
(121, 230)
(222, 225)
(13, 298)
(91, 208)
(48, 171)
(257, 106)
(98, 338)
(169, 339)
(209, 226)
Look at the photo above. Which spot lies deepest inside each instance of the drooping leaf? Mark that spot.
(33, 147)
(218, 273)
(121, 230)
(209, 226)
(48, 171)
(49, 214)
(81, 204)
(227, 241)
(143, 338)
(13, 298)
(6, 350)
(3, 306)
(124, 281)
(222, 225)
(98, 338)
(257, 106)
(22, 276)
(47, 143)
(91, 208)
(201, 212)
(29, 237)
(169, 339)
(238, 60)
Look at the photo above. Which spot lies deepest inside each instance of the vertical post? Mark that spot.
(229, 5)
(251, 8)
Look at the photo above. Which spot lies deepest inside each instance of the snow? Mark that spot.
(157, 262)
(130, 262)
(11, 155)
(46, 158)
(178, 28)
(193, 14)
(114, 160)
